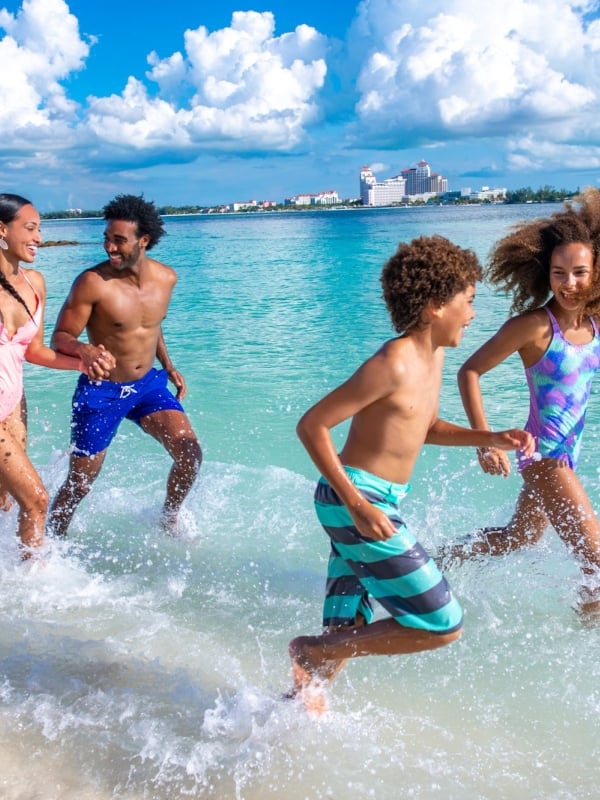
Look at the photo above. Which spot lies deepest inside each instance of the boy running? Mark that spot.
(392, 400)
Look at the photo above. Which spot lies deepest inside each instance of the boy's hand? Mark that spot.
(514, 439)
(372, 522)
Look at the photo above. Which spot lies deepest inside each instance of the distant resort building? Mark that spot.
(254, 204)
(328, 198)
(485, 194)
(416, 183)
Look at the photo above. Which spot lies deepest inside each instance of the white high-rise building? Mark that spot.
(412, 184)
(372, 193)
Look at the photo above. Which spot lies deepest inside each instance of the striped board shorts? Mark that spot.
(397, 572)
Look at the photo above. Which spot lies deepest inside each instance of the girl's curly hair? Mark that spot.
(520, 262)
(429, 268)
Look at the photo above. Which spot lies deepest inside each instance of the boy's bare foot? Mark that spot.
(311, 673)
(308, 683)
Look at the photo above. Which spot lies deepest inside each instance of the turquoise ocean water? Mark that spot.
(135, 666)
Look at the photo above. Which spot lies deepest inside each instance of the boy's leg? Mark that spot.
(403, 578)
(320, 656)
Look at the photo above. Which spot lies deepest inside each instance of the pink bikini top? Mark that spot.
(12, 355)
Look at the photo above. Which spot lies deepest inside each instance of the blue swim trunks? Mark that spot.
(396, 572)
(99, 407)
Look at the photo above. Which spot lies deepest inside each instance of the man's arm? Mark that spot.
(175, 376)
(72, 320)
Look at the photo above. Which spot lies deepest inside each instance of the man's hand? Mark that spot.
(178, 382)
(98, 362)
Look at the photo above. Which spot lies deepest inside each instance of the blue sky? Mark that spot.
(195, 102)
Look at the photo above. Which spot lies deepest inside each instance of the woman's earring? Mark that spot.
(3, 245)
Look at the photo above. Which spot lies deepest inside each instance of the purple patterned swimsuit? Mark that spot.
(559, 389)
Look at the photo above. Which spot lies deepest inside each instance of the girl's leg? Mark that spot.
(19, 478)
(569, 511)
(525, 528)
(6, 500)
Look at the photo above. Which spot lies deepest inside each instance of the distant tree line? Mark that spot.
(70, 214)
(546, 194)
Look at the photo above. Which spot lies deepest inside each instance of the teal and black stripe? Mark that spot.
(396, 572)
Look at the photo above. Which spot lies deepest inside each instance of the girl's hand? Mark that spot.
(493, 461)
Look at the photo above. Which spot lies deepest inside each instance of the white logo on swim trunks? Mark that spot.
(126, 391)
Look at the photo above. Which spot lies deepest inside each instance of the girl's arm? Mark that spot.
(520, 334)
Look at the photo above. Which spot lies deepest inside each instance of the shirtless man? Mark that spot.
(392, 400)
(121, 304)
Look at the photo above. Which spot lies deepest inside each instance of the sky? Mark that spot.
(192, 102)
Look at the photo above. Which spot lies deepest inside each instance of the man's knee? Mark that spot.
(188, 453)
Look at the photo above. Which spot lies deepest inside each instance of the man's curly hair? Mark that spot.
(520, 262)
(132, 208)
(429, 268)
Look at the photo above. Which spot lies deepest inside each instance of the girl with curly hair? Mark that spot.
(551, 266)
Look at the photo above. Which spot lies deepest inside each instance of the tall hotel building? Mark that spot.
(417, 182)
(387, 193)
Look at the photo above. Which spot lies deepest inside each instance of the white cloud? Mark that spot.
(455, 68)
(528, 153)
(41, 47)
(249, 91)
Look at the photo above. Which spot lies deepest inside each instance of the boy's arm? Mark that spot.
(369, 383)
(449, 434)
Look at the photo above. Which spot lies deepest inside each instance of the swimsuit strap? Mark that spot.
(557, 329)
(553, 321)
(35, 294)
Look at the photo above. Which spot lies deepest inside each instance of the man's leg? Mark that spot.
(83, 471)
(174, 431)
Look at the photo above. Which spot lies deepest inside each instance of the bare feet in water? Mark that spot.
(6, 501)
(311, 674)
(169, 523)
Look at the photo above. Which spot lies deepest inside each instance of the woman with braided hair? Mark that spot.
(22, 298)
